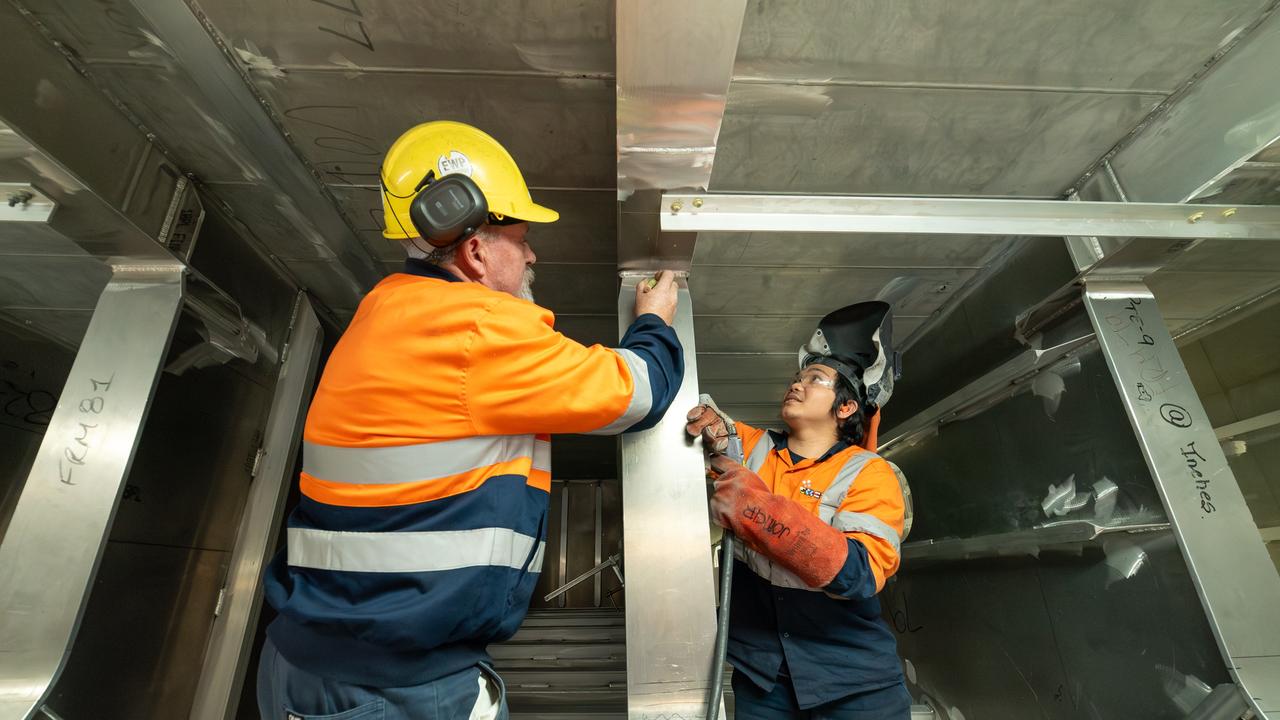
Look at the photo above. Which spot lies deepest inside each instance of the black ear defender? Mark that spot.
(447, 210)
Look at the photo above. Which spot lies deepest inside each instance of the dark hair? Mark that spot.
(852, 429)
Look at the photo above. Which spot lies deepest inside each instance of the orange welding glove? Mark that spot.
(778, 528)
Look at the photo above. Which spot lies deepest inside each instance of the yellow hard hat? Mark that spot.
(441, 148)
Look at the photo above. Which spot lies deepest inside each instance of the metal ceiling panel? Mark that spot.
(326, 279)
(560, 131)
(65, 326)
(275, 220)
(675, 59)
(1223, 119)
(162, 98)
(1228, 256)
(1102, 44)
(916, 141)
(817, 291)
(1186, 297)
(745, 365)
(61, 282)
(838, 249)
(493, 36)
(778, 333)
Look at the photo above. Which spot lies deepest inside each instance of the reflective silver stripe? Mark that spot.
(535, 565)
(542, 455)
(838, 490)
(869, 524)
(410, 551)
(775, 574)
(641, 395)
(759, 453)
(413, 463)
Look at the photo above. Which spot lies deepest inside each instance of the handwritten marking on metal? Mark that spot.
(1129, 326)
(76, 452)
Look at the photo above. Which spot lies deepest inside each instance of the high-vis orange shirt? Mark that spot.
(426, 473)
(830, 640)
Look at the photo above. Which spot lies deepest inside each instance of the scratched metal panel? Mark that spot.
(51, 281)
(190, 476)
(492, 35)
(560, 130)
(1143, 44)
(1186, 297)
(141, 643)
(836, 249)
(32, 373)
(991, 473)
(841, 139)
(1062, 637)
(819, 290)
(275, 220)
(165, 100)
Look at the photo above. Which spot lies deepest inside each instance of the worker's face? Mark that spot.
(810, 396)
(509, 260)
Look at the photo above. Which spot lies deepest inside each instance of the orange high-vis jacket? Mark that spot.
(426, 473)
(832, 640)
(852, 489)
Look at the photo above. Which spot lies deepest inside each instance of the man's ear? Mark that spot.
(847, 410)
(470, 257)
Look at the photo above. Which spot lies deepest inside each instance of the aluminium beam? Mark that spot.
(51, 551)
(231, 639)
(674, 63)
(685, 212)
(1234, 577)
(671, 615)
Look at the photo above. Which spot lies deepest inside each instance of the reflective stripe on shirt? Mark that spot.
(412, 551)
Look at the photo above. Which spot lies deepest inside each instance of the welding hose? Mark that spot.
(734, 452)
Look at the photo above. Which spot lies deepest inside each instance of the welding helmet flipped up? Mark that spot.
(857, 342)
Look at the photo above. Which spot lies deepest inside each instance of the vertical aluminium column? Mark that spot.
(1233, 575)
(231, 639)
(51, 552)
(671, 620)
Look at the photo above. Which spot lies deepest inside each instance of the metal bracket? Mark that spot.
(22, 202)
(614, 561)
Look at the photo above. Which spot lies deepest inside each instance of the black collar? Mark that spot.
(780, 442)
(422, 268)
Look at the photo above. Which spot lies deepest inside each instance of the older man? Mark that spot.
(426, 460)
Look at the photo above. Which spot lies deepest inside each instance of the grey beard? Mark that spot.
(526, 285)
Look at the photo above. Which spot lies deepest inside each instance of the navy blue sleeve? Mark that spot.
(655, 342)
(855, 580)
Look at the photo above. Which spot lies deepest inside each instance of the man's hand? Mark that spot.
(706, 420)
(659, 299)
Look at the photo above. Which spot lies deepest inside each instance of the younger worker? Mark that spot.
(821, 517)
(426, 461)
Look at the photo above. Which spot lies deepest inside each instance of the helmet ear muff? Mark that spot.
(447, 210)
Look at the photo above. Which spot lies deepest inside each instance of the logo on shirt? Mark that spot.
(806, 489)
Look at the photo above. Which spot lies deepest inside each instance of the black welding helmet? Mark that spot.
(857, 342)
